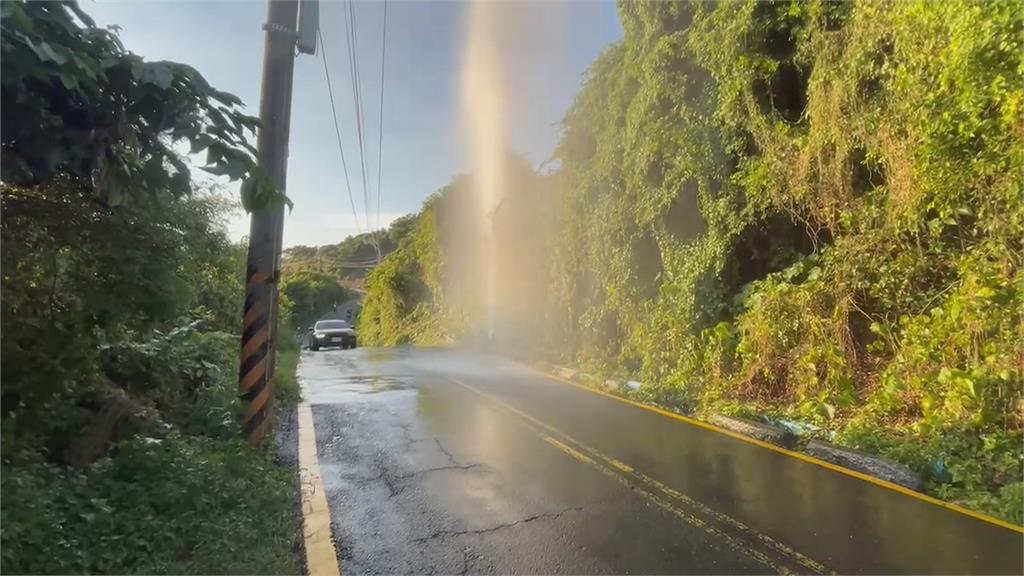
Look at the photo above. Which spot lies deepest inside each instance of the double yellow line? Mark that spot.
(798, 455)
(779, 558)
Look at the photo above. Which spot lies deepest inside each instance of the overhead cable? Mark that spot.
(337, 131)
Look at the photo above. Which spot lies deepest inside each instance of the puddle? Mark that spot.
(334, 376)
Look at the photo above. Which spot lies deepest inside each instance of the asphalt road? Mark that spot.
(443, 462)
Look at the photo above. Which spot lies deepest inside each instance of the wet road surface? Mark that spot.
(444, 462)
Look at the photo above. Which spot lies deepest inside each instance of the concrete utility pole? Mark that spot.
(259, 321)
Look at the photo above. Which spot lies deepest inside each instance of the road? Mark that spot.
(444, 462)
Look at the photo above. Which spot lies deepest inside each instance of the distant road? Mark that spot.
(436, 461)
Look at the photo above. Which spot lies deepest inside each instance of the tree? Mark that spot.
(311, 294)
(80, 106)
(119, 296)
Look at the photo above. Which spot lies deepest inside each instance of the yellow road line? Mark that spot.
(536, 426)
(321, 557)
(798, 455)
(621, 465)
(674, 510)
(569, 450)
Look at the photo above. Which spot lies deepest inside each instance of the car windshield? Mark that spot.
(331, 325)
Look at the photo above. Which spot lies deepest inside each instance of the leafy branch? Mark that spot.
(76, 102)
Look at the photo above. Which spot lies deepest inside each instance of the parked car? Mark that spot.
(327, 333)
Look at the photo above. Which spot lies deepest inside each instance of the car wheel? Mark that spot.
(314, 347)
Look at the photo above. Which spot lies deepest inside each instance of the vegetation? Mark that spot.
(429, 290)
(306, 295)
(314, 279)
(800, 209)
(407, 303)
(337, 259)
(121, 296)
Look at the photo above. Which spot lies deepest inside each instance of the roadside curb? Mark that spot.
(764, 432)
(321, 555)
(868, 463)
(842, 465)
(848, 458)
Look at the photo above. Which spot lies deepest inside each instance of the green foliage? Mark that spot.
(346, 259)
(959, 361)
(287, 392)
(832, 192)
(980, 471)
(400, 306)
(429, 291)
(308, 295)
(189, 375)
(121, 297)
(175, 505)
(185, 496)
(78, 274)
(78, 105)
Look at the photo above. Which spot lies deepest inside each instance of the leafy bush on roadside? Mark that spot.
(833, 191)
(287, 392)
(188, 375)
(176, 505)
(120, 294)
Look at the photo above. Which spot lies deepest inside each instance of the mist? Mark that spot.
(496, 229)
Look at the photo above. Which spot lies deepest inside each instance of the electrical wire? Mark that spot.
(380, 120)
(337, 130)
(353, 42)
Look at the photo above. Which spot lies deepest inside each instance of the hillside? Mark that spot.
(802, 210)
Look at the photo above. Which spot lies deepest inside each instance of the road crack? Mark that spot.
(436, 469)
(527, 520)
(445, 451)
(392, 480)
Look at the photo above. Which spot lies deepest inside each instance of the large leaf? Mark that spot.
(258, 192)
(85, 83)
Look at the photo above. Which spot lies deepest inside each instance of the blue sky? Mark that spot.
(224, 41)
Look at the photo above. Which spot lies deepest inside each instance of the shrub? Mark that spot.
(176, 505)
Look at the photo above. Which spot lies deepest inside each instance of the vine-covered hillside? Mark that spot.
(804, 209)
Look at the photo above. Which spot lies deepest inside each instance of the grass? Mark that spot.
(287, 392)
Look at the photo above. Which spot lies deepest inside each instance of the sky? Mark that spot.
(421, 137)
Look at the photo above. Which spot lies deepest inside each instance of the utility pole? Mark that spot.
(259, 320)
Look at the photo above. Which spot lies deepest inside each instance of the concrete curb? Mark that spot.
(612, 385)
(567, 373)
(763, 432)
(867, 463)
(848, 458)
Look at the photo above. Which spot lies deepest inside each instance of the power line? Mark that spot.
(337, 131)
(367, 265)
(380, 118)
(353, 42)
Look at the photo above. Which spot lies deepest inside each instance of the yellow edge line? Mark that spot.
(321, 557)
(797, 455)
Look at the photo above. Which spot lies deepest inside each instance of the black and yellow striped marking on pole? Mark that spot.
(255, 381)
(259, 324)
